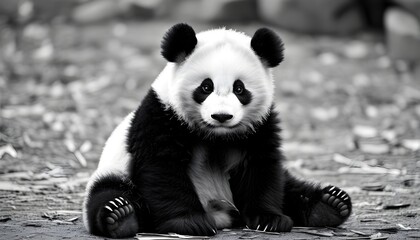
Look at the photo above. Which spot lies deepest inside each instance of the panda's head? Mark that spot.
(219, 81)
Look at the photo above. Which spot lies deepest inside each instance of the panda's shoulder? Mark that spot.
(150, 114)
(153, 119)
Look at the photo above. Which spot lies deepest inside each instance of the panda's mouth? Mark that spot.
(222, 126)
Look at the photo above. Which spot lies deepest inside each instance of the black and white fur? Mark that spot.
(202, 152)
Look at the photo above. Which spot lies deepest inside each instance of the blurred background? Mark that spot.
(348, 93)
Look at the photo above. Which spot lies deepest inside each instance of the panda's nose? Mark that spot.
(221, 117)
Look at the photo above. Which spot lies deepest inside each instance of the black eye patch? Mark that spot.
(244, 96)
(203, 91)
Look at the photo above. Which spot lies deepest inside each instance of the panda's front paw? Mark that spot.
(119, 219)
(270, 223)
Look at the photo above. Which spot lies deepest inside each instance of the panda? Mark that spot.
(202, 152)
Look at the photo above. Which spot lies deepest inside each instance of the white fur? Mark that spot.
(212, 182)
(223, 56)
(114, 158)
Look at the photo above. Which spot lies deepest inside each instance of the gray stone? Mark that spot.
(412, 5)
(228, 10)
(95, 11)
(402, 35)
(312, 16)
(99, 10)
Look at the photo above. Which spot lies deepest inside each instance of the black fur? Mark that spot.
(266, 195)
(268, 46)
(178, 42)
(245, 96)
(107, 188)
(199, 94)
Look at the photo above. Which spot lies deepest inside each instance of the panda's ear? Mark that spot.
(178, 42)
(268, 46)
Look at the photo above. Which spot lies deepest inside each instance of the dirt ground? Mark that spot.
(351, 117)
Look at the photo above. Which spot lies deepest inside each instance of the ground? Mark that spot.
(351, 117)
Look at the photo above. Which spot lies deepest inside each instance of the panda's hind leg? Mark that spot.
(332, 209)
(112, 209)
(118, 218)
(310, 205)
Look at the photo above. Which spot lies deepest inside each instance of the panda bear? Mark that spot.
(202, 151)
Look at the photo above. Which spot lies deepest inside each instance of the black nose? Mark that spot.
(221, 117)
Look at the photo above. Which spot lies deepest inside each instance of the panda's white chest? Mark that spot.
(209, 172)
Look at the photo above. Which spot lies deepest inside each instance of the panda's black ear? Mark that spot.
(268, 46)
(178, 42)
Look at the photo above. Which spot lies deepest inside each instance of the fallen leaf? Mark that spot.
(5, 219)
(79, 156)
(374, 220)
(9, 149)
(374, 187)
(315, 232)
(32, 224)
(74, 219)
(396, 206)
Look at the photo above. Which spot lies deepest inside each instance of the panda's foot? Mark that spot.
(270, 223)
(332, 210)
(119, 218)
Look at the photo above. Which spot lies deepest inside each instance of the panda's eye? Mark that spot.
(238, 87)
(207, 86)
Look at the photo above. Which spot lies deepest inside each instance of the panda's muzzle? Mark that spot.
(222, 117)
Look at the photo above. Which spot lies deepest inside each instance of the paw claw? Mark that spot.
(120, 203)
(108, 208)
(265, 228)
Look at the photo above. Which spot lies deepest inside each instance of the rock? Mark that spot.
(325, 114)
(99, 10)
(228, 10)
(48, 10)
(412, 5)
(314, 16)
(412, 144)
(328, 58)
(373, 147)
(402, 34)
(207, 10)
(356, 50)
(365, 131)
(95, 11)
(390, 136)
